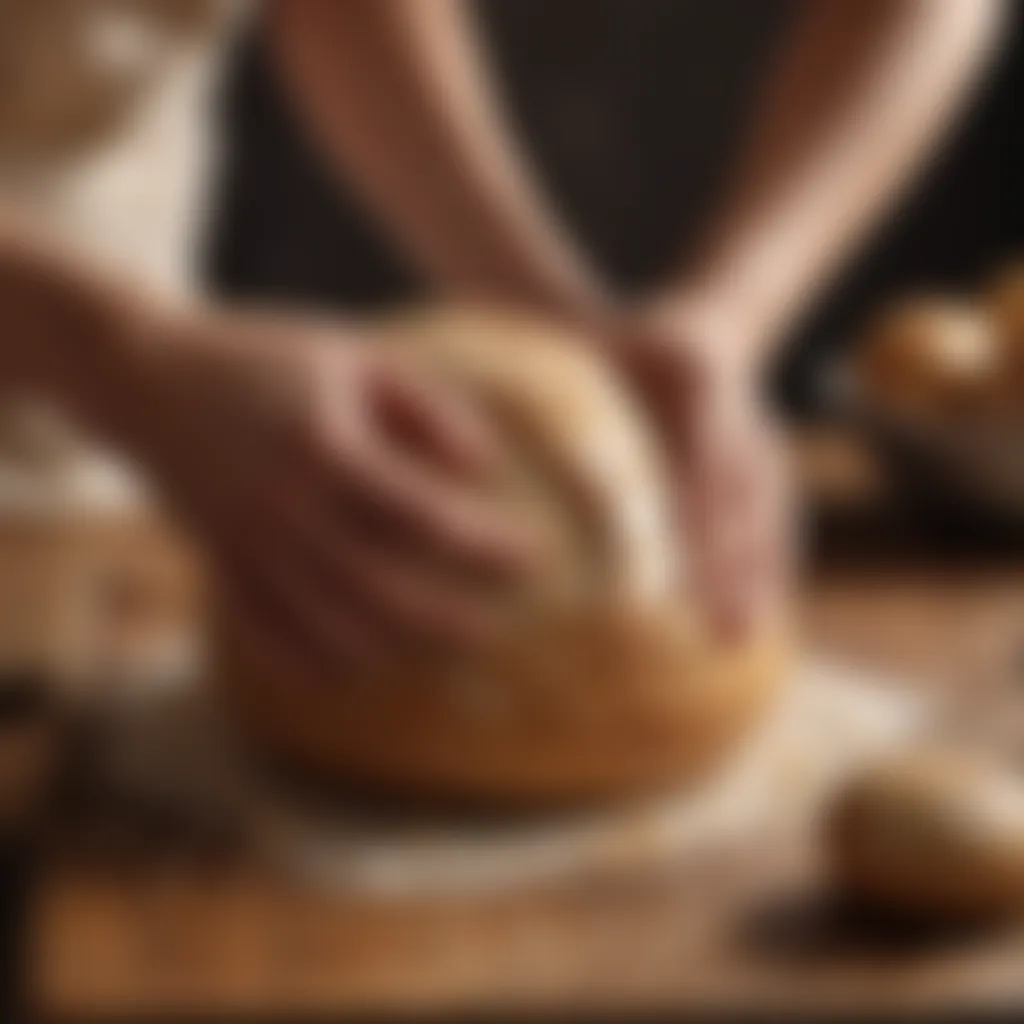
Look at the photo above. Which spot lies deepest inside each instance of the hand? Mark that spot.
(333, 490)
(727, 469)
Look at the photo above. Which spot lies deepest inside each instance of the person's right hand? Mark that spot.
(694, 376)
(332, 488)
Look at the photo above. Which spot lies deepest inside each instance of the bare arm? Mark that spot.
(861, 95)
(273, 437)
(69, 335)
(398, 96)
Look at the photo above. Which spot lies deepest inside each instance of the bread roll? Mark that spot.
(934, 832)
(933, 357)
(602, 680)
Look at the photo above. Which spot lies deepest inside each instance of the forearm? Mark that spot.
(862, 93)
(70, 336)
(398, 97)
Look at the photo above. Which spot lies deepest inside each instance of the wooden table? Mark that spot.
(163, 933)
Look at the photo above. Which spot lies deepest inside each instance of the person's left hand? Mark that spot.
(726, 462)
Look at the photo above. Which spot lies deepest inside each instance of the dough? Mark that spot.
(935, 832)
(602, 680)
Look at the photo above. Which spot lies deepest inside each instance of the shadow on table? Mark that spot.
(819, 926)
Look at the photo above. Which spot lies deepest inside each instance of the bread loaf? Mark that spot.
(603, 680)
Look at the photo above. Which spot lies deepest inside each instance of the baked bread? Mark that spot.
(932, 357)
(603, 680)
(934, 832)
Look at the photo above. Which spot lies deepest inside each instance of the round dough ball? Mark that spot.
(935, 833)
(932, 357)
(601, 680)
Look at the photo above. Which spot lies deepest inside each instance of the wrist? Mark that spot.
(716, 331)
(751, 291)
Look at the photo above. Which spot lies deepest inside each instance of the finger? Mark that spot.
(412, 604)
(746, 581)
(781, 538)
(752, 562)
(732, 585)
(724, 586)
(443, 519)
(701, 444)
(358, 578)
(766, 579)
(443, 427)
(327, 625)
(728, 506)
(374, 480)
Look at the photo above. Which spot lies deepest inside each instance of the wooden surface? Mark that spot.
(157, 930)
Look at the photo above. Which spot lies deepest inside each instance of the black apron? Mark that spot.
(630, 112)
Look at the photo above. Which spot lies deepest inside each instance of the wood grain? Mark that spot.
(145, 930)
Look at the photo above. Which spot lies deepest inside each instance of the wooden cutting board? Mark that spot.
(131, 924)
(136, 928)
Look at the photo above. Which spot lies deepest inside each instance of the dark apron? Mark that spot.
(630, 111)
